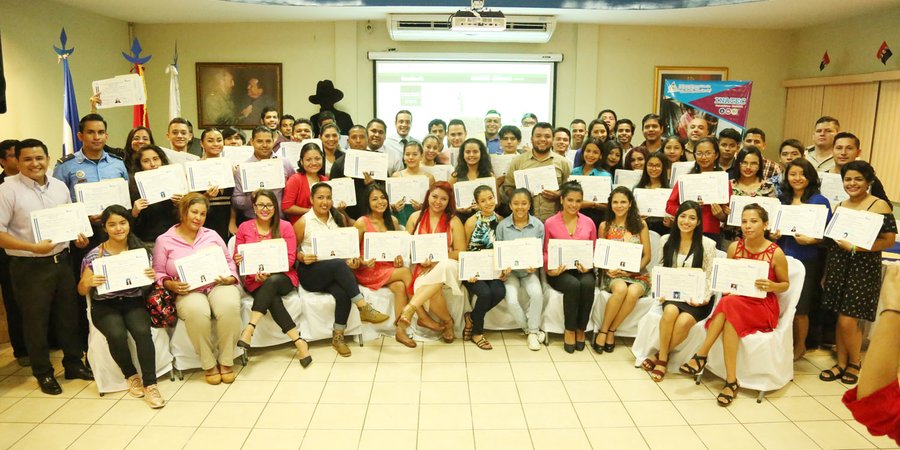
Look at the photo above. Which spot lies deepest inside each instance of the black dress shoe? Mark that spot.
(579, 345)
(81, 373)
(49, 385)
(569, 348)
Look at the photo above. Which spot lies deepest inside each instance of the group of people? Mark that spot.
(840, 277)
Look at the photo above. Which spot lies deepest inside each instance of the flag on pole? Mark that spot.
(2, 83)
(70, 107)
(137, 61)
(884, 53)
(174, 89)
(825, 61)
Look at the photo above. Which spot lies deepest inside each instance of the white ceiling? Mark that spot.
(768, 14)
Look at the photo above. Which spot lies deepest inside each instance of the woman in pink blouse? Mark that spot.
(196, 307)
(296, 200)
(268, 288)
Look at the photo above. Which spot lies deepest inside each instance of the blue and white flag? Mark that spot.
(70, 106)
(174, 89)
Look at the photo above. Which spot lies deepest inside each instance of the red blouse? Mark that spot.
(296, 193)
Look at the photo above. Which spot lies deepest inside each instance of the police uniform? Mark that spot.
(76, 168)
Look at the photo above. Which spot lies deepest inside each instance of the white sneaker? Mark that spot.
(533, 342)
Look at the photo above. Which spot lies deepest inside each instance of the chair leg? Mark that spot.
(359, 339)
(180, 374)
(172, 375)
(760, 396)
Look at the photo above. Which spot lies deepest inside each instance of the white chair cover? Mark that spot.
(183, 352)
(267, 333)
(317, 316)
(553, 320)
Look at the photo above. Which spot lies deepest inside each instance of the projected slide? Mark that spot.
(463, 90)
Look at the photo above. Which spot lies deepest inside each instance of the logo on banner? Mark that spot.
(727, 100)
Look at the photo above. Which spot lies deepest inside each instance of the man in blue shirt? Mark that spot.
(491, 130)
(91, 163)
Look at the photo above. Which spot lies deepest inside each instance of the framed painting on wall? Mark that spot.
(234, 94)
(674, 114)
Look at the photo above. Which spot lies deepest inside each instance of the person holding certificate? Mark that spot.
(706, 154)
(221, 217)
(118, 314)
(267, 289)
(296, 200)
(576, 283)
(330, 135)
(547, 202)
(263, 140)
(685, 246)
(332, 276)
(622, 223)
(377, 218)
(656, 176)
(736, 316)
(150, 221)
(746, 177)
(137, 138)
(593, 166)
(674, 149)
(800, 186)
(412, 157)
(480, 232)
(197, 305)
(473, 162)
(853, 274)
(612, 157)
(429, 277)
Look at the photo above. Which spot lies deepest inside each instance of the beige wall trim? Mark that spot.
(843, 79)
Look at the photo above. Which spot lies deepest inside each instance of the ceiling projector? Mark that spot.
(477, 19)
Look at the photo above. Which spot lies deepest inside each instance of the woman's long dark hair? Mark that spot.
(132, 241)
(674, 137)
(275, 221)
(366, 208)
(591, 126)
(868, 172)
(597, 164)
(633, 222)
(607, 148)
(809, 172)
(337, 215)
(663, 177)
(485, 168)
(129, 153)
(735, 172)
(670, 250)
(308, 147)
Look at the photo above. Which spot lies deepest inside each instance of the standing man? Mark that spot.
(624, 134)
(302, 130)
(528, 120)
(180, 134)
(358, 139)
(821, 154)
(270, 119)
(729, 145)
(561, 138)
(697, 129)
(376, 129)
(757, 137)
(41, 272)
(491, 132)
(286, 125)
(651, 127)
(263, 142)
(13, 313)
(456, 135)
(402, 124)
(579, 131)
(438, 128)
(546, 203)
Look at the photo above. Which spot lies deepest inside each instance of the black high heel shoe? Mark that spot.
(609, 348)
(244, 344)
(304, 362)
(598, 348)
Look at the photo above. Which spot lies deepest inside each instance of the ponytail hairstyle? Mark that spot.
(275, 221)
(566, 188)
(335, 214)
(670, 249)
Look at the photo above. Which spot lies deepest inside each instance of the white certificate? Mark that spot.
(832, 187)
(268, 256)
(97, 196)
(386, 246)
(738, 202)
(568, 252)
(618, 255)
(237, 155)
(123, 90)
(162, 183)
(179, 157)
(678, 169)
(61, 223)
(679, 284)
(432, 246)
(808, 220)
(859, 228)
(464, 191)
(359, 162)
(407, 189)
(340, 243)
(522, 253)
(440, 172)
(478, 265)
(596, 188)
(652, 202)
(202, 267)
(206, 173)
(738, 276)
(707, 188)
(127, 270)
(500, 163)
(343, 190)
(265, 174)
(537, 179)
(627, 178)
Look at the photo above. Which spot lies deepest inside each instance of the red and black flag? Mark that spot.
(825, 61)
(884, 53)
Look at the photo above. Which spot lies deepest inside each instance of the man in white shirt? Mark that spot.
(579, 130)
(402, 125)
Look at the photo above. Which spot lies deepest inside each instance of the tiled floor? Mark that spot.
(432, 397)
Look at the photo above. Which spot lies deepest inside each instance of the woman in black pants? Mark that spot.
(334, 276)
(480, 229)
(116, 314)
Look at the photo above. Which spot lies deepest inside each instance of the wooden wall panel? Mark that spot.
(854, 105)
(885, 156)
(803, 106)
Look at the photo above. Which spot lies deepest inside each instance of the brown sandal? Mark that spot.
(447, 334)
(658, 375)
(467, 330)
(650, 363)
(483, 344)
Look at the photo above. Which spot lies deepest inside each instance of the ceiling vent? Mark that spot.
(437, 27)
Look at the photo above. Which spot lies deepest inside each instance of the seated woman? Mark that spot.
(332, 276)
(296, 198)
(429, 277)
(196, 307)
(373, 274)
(737, 316)
(150, 221)
(622, 223)
(412, 157)
(118, 314)
(267, 288)
(480, 232)
(656, 176)
(685, 246)
(576, 283)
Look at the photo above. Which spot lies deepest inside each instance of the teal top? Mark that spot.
(595, 172)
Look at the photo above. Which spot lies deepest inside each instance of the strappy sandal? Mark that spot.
(688, 370)
(831, 375)
(658, 375)
(447, 335)
(850, 378)
(483, 344)
(650, 363)
(724, 399)
(467, 330)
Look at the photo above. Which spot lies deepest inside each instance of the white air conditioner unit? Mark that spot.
(436, 27)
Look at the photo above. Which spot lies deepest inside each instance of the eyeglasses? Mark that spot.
(262, 207)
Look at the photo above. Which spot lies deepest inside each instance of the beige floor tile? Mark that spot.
(129, 413)
(346, 392)
(268, 439)
(590, 391)
(621, 370)
(8, 365)
(218, 438)
(297, 392)
(555, 349)
(149, 437)
(322, 351)
(802, 408)
(285, 352)
(33, 410)
(569, 439)
(520, 354)
(616, 438)
(664, 437)
(446, 440)
(446, 392)
(445, 417)
(330, 439)
(746, 410)
(534, 371)
(454, 371)
(290, 416)
(49, 436)
(489, 372)
(683, 388)
(7, 402)
(780, 436)
(834, 434)
(587, 370)
(317, 371)
(498, 416)
(790, 390)
(654, 414)
(550, 415)
(805, 367)
(89, 392)
(366, 354)
(18, 386)
(812, 385)
(704, 412)
(362, 371)
(514, 338)
(179, 414)
(338, 417)
(493, 392)
(387, 440)
(200, 391)
(477, 355)
(396, 392)
(443, 354)
(880, 441)
(264, 370)
(12, 432)
(512, 439)
(399, 372)
(603, 414)
(638, 390)
(542, 392)
(726, 437)
(835, 405)
(233, 415)
(392, 417)
(249, 391)
(106, 436)
(400, 353)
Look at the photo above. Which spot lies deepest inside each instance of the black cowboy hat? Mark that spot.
(326, 93)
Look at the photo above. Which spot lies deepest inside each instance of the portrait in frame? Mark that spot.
(234, 94)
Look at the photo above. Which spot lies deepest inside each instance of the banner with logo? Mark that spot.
(725, 104)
